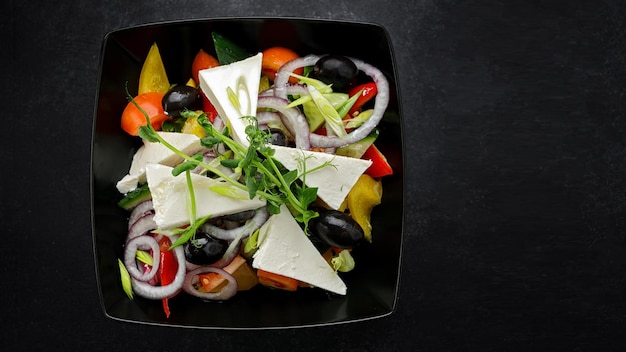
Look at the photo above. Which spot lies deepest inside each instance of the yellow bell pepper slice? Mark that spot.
(366, 193)
(192, 126)
(153, 77)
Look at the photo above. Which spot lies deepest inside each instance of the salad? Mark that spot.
(260, 171)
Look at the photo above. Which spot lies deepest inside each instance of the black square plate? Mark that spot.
(372, 285)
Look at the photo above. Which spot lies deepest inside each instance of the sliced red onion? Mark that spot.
(268, 117)
(191, 280)
(290, 89)
(244, 231)
(142, 226)
(207, 157)
(330, 132)
(146, 290)
(130, 255)
(218, 123)
(260, 217)
(283, 74)
(141, 209)
(380, 105)
(294, 120)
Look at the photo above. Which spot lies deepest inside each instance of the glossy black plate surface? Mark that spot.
(372, 286)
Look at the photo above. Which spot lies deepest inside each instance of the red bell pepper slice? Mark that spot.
(380, 166)
(369, 90)
(208, 108)
(167, 268)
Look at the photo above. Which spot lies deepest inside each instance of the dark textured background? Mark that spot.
(516, 154)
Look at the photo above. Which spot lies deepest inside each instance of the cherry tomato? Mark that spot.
(133, 118)
(202, 61)
(274, 58)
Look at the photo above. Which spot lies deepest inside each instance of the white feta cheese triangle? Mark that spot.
(155, 152)
(334, 181)
(242, 79)
(285, 249)
(170, 197)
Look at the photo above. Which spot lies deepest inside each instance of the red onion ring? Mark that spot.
(380, 101)
(282, 76)
(191, 279)
(260, 217)
(141, 209)
(380, 105)
(130, 254)
(291, 89)
(146, 290)
(267, 117)
(294, 120)
(142, 226)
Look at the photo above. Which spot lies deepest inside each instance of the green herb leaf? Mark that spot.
(187, 165)
(273, 207)
(230, 163)
(173, 125)
(210, 141)
(251, 182)
(343, 261)
(148, 134)
(203, 121)
(290, 176)
(226, 50)
(306, 195)
(305, 216)
(189, 232)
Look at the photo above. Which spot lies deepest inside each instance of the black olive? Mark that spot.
(179, 98)
(278, 137)
(336, 70)
(337, 229)
(240, 216)
(204, 249)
